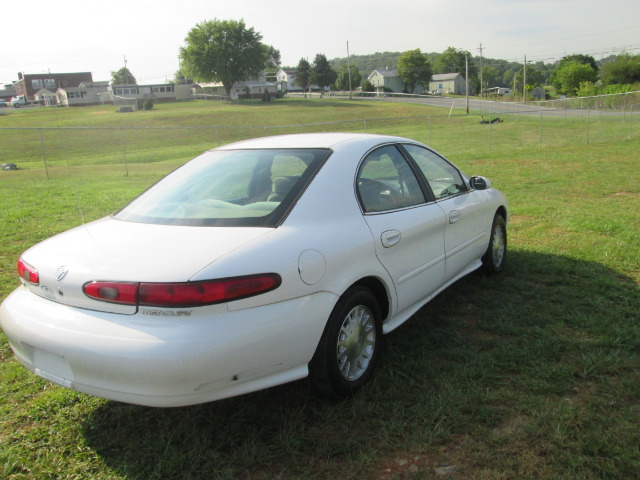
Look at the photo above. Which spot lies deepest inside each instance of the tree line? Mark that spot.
(227, 51)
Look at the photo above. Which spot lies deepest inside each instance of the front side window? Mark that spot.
(228, 188)
(386, 182)
(443, 178)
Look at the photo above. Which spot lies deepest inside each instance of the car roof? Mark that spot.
(312, 140)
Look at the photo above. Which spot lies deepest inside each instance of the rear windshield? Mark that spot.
(228, 188)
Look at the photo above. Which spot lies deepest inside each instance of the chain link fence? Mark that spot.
(491, 128)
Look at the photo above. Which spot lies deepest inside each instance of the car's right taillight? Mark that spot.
(185, 294)
(27, 272)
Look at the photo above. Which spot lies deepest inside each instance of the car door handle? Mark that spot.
(390, 238)
(454, 216)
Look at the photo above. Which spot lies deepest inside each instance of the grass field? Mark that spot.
(531, 374)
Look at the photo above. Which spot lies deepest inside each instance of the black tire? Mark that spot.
(350, 345)
(494, 258)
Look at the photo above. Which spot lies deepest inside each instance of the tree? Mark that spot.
(567, 78)
(624, 69)
(414, 69)
(303, 75)
(321, 72)
(225, 51)
(580, 58)
(567, 64)
(342, 81)
(123, 77)
(367, 86)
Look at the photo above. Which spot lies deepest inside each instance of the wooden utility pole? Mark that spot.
(466, 69)
(349, 70)
(524, 80)
(481, 83)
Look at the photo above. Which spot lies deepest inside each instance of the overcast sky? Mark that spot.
(96, 37)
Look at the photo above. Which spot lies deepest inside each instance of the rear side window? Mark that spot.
(443, 178)
(228, 188)
(386, 182)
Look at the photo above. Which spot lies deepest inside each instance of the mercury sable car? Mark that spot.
(255, 264)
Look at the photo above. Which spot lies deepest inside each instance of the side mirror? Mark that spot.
(479, 183)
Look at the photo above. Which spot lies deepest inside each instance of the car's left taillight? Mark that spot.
(27, 272)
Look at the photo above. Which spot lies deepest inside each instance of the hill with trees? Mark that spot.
(572, 75)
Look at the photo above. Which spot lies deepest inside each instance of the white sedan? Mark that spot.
(255, 264)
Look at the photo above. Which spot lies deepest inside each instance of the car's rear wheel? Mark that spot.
(495, 256)
(350, 345)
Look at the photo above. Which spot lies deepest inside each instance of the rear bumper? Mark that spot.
(165, 358)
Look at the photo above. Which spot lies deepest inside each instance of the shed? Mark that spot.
(448, 83)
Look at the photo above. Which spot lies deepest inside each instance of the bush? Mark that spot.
(367, 86)
(148, 104)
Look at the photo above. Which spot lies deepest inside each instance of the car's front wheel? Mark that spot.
(494, 258)
(350, 345)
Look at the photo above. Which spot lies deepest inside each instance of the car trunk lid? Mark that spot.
(115, 250)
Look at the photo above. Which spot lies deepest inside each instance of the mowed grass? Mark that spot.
(531, 374)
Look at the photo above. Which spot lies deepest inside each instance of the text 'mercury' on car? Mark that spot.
(255, 264)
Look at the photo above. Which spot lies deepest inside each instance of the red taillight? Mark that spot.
(190, 294)
(114, 292)
(27, 272)
(205, 293)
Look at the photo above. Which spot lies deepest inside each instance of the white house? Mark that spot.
(45, 97)
(385, 80)
(87, 93)
(162, 92)
(286, 80)
(239, 90)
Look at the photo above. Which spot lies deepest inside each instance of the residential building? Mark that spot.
(163, 92)
(286, 80)
(30, 84)
(6, 92)
(87, 93)
(448, 83)
(385, 80)
(46, 97)
(538, 93)
(239, 90)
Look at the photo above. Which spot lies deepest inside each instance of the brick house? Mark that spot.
(29, 84)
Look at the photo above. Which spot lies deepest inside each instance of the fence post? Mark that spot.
(124, 153)
(44, 157)
(430, 141)
(540, 146)
(587, 139)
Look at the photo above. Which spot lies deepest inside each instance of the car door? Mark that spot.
(408, 231)
(467, 229)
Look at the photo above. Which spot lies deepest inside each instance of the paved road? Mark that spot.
(492, 108)
(487, 107)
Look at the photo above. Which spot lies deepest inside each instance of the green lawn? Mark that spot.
(531, 374)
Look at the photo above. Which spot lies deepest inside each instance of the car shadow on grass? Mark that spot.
(488, 355)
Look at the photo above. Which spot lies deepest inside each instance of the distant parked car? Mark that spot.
(3, 103)
(255, 264)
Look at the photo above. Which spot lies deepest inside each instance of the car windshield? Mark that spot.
(228, 188)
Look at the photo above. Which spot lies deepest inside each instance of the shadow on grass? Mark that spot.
(533, 369)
